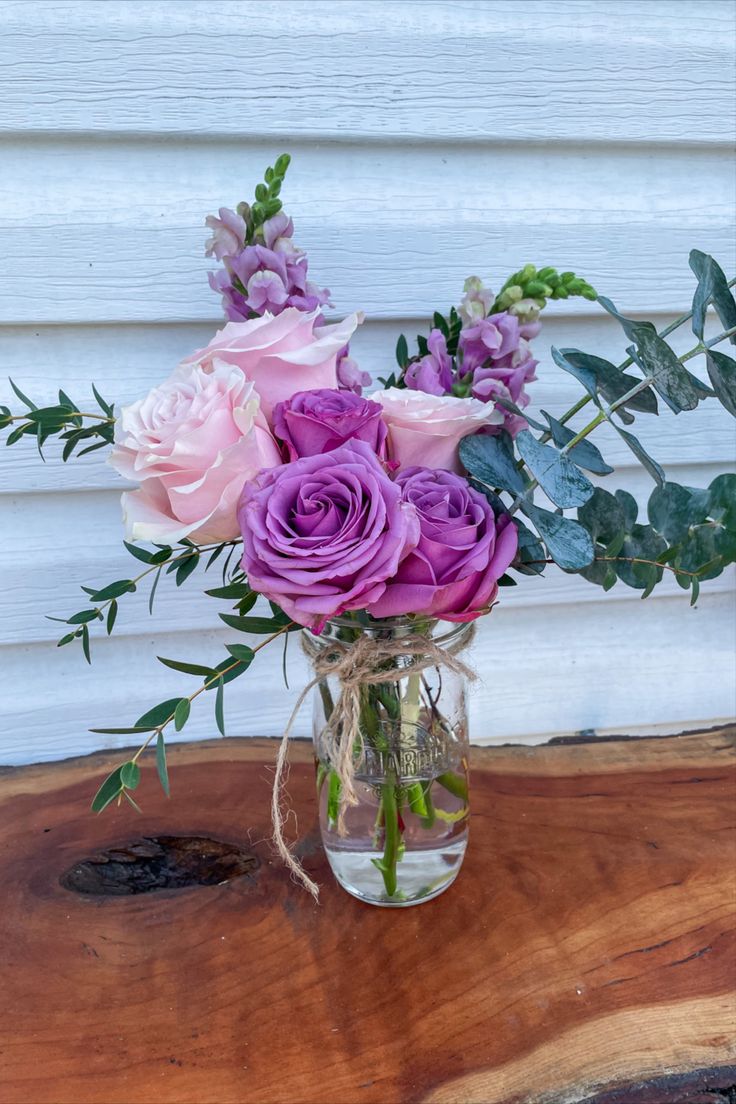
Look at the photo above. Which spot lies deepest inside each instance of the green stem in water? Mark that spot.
(333, 799)
(417, 798)
(455, 784)
(430, 816)
(392, 837)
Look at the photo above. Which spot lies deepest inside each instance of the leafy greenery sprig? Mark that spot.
(181, 561)
(692, 532)
(126, 777)
(64, 419)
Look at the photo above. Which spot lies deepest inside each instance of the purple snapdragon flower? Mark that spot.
(228, 234)
(433, 372)
(265, 276)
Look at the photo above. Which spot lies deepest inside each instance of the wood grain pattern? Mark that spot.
(545, 70)
(587, 944)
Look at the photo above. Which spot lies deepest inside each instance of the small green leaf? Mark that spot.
(108, 791)
(642, 542)
(491, 460)
(147, 557)
(111, 616)
(132, 802)
(722, 374)
(219, 702)
(558, 477)
(658, 360)
(152, 595)
(647, 461)
(130, 774)
(159, 714)
(673, 509)
(231, 591)
(722, 500)
(181, 713)
(531, 556)
(585, 453)
(696, 590)
(603, 516)
(114, 590)
(83, 617)
(568, 541)
(712, 288)
(161, 767)
(242, 652)
(20, 431)
(23, 398)
(402, 352)
(186, 668)
(185, 568)
(85, 644)
(104, 406)
(259, 626)
(627, 502)
(130, 731)
(597, 374)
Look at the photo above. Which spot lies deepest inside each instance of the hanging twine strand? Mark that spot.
(355, 665)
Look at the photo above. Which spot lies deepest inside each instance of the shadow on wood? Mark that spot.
(588, 943)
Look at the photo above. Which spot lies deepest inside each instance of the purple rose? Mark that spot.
(433, 373)
(463, 549)
(313, 422)
(326, 534)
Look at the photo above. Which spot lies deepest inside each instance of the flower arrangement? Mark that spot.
(371, 521)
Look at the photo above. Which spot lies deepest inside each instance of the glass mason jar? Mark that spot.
(404, 842)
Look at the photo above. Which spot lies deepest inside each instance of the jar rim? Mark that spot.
(440, 631)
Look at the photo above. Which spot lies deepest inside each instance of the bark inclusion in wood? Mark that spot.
(158, 862)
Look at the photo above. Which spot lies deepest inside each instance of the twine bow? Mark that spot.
(355, 665)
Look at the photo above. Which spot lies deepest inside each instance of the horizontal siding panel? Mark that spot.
(126, 361)
(578, 673)
(431, 139)
(77, 540)
(583, 69)
(101, 232)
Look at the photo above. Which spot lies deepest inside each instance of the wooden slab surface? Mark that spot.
(586, 952)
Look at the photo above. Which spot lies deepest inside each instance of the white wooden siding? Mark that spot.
(430, 140)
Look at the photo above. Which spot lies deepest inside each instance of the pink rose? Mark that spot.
(281, 355)
(191, 443)
(426, 430)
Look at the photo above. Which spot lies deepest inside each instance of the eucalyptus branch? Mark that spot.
(632, 560)
(564, 418)
(607, 410)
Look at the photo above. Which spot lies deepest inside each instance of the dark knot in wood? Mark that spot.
(158, 862)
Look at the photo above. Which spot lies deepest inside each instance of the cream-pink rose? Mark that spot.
(191, 444)
(426, 430)
(282, 354)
